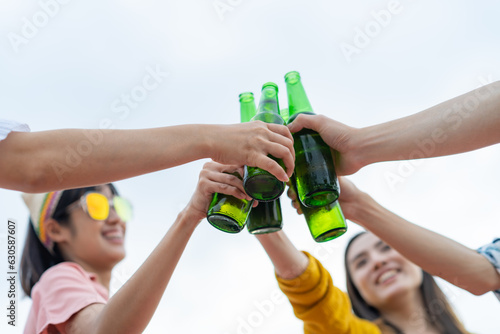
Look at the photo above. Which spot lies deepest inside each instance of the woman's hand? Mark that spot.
(295, 200)
(351, 199)
(214, 178)
(251, 144)
(338, 136)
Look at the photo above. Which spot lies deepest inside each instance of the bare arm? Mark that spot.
(61, 159)
(288, 261)
(462, 124)
(133, 305)
(436, 254)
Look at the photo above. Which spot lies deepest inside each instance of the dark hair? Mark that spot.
(438, 310)
(36, 259)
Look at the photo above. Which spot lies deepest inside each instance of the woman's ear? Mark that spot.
(56, 232)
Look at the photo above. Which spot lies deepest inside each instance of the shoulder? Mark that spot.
(64, 271)
(62, 291)
(66, 278)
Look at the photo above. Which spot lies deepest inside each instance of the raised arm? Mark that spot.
(309, 287)
(434, 253)
(288, 261)
(133, 305)
(61, 159)
(462, 124)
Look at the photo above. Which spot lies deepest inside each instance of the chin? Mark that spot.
(395, 292)
(116, 257)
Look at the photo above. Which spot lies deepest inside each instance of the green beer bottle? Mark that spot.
(314, 172)
(325, 223)
(258, 183)
(228, 213)
(225, 212)
(265, 218)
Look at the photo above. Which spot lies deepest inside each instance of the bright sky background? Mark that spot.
(72, 72)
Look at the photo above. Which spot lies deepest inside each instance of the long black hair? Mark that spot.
(438, 310)
(36, 258)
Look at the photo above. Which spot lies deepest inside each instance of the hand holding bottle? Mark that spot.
(337, 135)
(251, 144)
(214, 178)
(437, 131)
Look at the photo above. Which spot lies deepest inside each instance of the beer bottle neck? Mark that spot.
(247, 107)
(297, 97)
(268, 109)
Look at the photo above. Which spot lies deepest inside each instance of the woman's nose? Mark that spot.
(113, 217)
(379, 261)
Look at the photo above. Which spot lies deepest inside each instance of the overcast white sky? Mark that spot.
(70, 65)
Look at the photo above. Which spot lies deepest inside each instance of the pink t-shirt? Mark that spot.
(62, 291)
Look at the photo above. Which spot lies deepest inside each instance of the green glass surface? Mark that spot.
(314, 172)
(265, 218)
(297, 98)
(325, 223)
(258, 183)
(284, 114)
(247, 107)
(228, 213)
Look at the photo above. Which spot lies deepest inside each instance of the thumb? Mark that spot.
(302, 121)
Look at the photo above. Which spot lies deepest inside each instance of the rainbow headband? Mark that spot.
(42, 207)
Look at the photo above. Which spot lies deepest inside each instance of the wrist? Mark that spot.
(365, 210)
(189, 218)
(207, 142)
(363, 146)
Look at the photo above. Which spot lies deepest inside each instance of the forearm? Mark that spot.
(434, 253)
(60, 159)
(462, 124)
(133, 305)
(288, 262)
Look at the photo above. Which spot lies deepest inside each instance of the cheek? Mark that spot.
(416, 274)
(86, 235)
(360, 281)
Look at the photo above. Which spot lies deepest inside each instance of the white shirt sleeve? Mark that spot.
(7, 127)
(492, 253)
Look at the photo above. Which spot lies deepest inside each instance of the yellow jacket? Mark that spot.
(324, 308)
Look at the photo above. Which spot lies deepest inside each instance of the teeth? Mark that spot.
(388, 274)
(113, 235)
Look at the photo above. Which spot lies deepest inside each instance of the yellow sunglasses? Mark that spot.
(97, 206)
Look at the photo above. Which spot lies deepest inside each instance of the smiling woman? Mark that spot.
(75, 239)
(380, 280)
(389, 294)
(60, 230)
